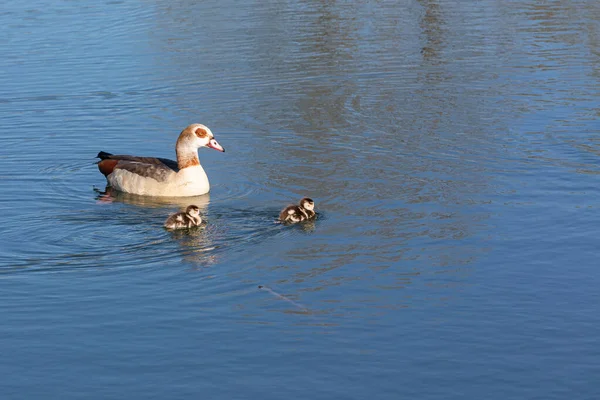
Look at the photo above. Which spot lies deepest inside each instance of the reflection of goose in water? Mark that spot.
(308, 226)
(110, 195)
(196, 246)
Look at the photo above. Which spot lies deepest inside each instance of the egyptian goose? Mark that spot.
(185, 219)
(160, 176)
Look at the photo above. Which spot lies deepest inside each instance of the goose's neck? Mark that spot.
(187, 156)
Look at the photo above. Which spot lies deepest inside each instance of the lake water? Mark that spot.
(452, 150)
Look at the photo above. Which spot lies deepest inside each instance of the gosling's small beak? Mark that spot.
(213, 144)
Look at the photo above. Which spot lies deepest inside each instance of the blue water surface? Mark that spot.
(451, 148)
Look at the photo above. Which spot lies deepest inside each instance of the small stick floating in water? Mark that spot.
(274, 293)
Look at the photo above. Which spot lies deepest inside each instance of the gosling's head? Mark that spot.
(193, 211)
(307, 204)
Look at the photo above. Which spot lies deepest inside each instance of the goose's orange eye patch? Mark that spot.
(201, 133)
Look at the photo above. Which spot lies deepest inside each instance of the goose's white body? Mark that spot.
(159, 176)
(190, 181)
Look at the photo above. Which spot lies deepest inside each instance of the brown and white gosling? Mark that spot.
(184, 219)
(292, 215)
(302, 212)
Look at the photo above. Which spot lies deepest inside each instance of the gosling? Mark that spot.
(302, 212)
(185, 219)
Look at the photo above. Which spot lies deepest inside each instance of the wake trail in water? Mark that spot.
(274, 293)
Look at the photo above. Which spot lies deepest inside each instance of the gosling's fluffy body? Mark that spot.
(298, 213)
(185, 219)
(291, 215)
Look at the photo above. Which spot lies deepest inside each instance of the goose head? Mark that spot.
(190, 140)
(196, 136)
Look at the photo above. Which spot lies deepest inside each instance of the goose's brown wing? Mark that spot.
(149, 167)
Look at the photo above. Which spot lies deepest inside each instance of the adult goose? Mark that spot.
(159, 176)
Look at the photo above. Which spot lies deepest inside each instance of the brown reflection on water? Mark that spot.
(432, 27)
(111, 195)
(196, 245)
(396, 119)
(389, 130)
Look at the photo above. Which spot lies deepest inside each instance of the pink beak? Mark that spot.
(213, 144)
